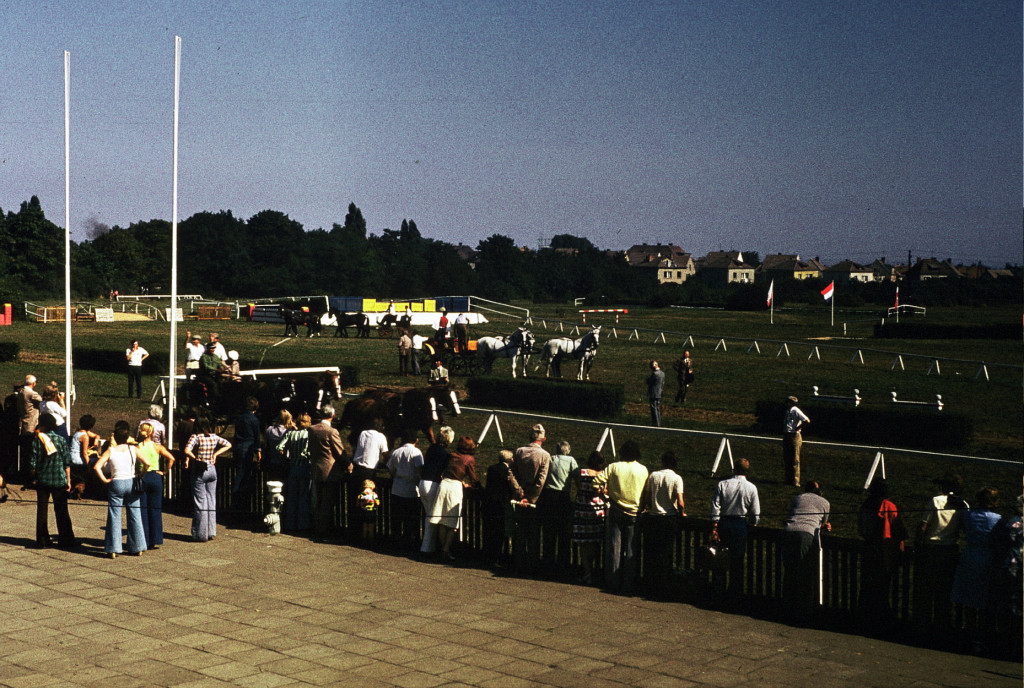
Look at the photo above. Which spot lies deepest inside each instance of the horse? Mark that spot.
(346, 320)
(420, 408)
(517, 345)
(293, 318)
(583, 349)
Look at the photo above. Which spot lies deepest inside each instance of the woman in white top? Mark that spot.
(122, 457)
(53, 403)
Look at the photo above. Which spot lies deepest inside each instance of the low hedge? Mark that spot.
(587, 399)
(107, 361)
(920, 330)
(894, 426)
(9, 351)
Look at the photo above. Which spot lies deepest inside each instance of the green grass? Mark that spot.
(728, 383)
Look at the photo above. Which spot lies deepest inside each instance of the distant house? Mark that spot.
(669, 263)
(780, 266)
(883, 272)
(980, 272)
(721, 268)
(847, 271)
(931, 268)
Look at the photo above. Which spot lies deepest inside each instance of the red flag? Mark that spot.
(827, 291)
(771, 292)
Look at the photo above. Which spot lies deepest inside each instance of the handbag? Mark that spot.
(713, 558)
(137, 485)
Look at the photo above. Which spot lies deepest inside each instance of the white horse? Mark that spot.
(583, 349)
(517, 345)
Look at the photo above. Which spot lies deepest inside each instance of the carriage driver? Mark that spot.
(438, 374)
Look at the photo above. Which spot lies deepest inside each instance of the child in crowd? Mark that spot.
(84, 452)
(368, 502)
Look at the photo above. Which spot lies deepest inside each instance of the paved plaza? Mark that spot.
(253, 610)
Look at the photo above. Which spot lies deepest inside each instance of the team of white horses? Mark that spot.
(519, 346)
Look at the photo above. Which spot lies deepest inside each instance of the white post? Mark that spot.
(724, 447)
(784, 347)
(69, 382)
(174, 247)
(879, 461)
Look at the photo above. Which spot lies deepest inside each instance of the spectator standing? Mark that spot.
(801, 546)
(554, 508)
(735, 508)
(84, 453)
(122, 456)
(589, 515)
(371, 450)
(135, 355)
(294, 448)
(684, 376)
(623, 482)
(156, 420)
(28, 414)
(880, 524)
(435, 461)
(406, 467)
(500, 490)
(792, 440)
(663, 508)
(1007, 591)
(50, 462)
(325, 451)
(246, 449)
(446, 513)
(404, 351)
(530, 466)
(974, 572)
(937, 552)
(53, 404)
(151, 500)
(275, 465)
(418, 341)
(201, 454)
(655, 387)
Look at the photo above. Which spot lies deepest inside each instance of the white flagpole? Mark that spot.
(69, 382)
(771, 291)
(833, 300)
(174, 250)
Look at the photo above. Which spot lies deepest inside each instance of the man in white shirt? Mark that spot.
(405, 465)
(734, 507)
(194, 350)
(371, 450)
(663, 507)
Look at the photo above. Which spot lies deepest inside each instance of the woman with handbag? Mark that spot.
(122, 458)
(201, 454)
(152, 493)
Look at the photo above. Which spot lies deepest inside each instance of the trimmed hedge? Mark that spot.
(587, 399)
(914, 428)
(919, 330)
(107, 361)
(9, 351)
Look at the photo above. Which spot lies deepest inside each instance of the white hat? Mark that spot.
(233, 355)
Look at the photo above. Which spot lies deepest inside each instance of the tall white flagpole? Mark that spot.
(833, 300)
(174, 251)
(69, 382)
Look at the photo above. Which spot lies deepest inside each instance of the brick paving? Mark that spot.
(258, 611)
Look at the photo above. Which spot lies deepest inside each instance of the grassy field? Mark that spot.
(728, 383)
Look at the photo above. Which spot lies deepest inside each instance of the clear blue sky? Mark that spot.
(841, 130)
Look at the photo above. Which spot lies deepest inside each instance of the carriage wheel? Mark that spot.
(384, 331)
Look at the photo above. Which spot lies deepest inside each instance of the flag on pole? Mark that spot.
(771, 292)
(897, 304)
(827, 291)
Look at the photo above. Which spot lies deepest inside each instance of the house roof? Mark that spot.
(931, 267)
(848, 266)
(654, 255)
(721, 261)
(780, 261)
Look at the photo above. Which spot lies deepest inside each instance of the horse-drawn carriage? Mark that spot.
(458, 359)
(299, 390)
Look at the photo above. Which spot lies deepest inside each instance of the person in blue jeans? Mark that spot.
(201, 454)
(122, 457)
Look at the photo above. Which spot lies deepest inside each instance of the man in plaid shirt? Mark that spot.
(51, 467)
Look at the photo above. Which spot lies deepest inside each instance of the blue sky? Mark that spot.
(841, 130)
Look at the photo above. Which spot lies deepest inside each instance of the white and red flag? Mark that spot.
(771, 292)
(827, 291)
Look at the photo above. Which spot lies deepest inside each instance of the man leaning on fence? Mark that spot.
(734, 508)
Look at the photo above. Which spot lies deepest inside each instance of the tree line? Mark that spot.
(221, 256)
